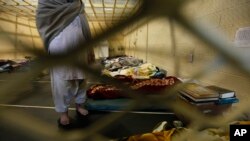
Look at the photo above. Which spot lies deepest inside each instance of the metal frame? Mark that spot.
(26, 9)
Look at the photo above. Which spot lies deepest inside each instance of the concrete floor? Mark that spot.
(36, 101)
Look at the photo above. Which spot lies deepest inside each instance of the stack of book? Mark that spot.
(208, 99)
(226, 96)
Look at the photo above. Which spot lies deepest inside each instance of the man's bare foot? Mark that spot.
(81, 110)
(64, 119)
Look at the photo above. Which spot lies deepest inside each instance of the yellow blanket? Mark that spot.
(155, 136)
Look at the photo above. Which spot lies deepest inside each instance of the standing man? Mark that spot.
(63, 26)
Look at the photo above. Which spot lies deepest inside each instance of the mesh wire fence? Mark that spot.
(37, 129)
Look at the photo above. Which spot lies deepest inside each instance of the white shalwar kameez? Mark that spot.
(65, 79)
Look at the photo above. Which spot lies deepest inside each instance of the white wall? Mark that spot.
(223, 15)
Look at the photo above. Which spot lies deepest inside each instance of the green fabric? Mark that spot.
(107, 104)
(52, 16)
(121, 104)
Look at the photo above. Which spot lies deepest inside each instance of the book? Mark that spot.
(229, 100)
(201, 103)
(198, 91)
(223, 92)
(200, 99)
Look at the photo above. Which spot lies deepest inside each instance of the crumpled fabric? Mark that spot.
(154, 136)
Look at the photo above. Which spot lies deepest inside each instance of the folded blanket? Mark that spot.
(148, 86)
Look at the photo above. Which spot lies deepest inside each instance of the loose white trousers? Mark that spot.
(65, 80)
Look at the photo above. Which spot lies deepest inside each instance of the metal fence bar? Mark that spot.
(149, 10)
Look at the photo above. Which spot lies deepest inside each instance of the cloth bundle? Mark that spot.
(143, 71)
(154, 136)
